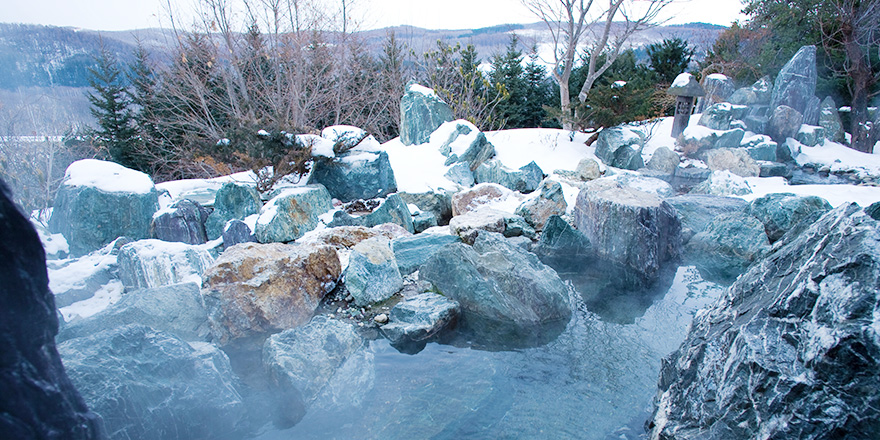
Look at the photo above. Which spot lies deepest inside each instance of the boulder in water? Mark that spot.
(728, 246)
(419, 318)
(413, 251)
(372, 275)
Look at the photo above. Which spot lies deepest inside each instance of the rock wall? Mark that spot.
(792, 350)
(37, 400)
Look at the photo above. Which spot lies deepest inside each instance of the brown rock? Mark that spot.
(735, 160)
(260, 288)
(478, 196)
(346, 237)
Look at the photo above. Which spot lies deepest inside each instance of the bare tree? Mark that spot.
(571, 21)
(853, 26)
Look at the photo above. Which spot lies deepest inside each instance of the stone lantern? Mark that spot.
(686, 89)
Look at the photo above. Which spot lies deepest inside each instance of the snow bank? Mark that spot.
(202, 190)
(840, 158)
(835, 194)
(108, 177)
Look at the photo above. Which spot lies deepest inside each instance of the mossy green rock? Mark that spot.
(292, 213)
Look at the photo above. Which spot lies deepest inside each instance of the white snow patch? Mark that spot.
(836, 195)
(106, 296)
(551, 149)
(203, 190)
(840, 158)
(263, 133)
(69, 274)
(618, 84)
(717, 76)
(107, 177)
(682, 80)
(418, 88)
(462, 141)
(418, 168)
(320, 146)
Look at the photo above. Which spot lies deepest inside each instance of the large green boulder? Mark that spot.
(508, 297)
(795, 86)
(355, 175)
(372, 275)
(525, 180)
(292, 213)
(413, 251)
(233, 201)
(829, 119)
(696, 211)
(99, 202)
(421, 112)
(780, 212)
(391, 210)
(728, 245)
(462, 142)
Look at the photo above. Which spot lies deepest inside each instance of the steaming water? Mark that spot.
(595, 381)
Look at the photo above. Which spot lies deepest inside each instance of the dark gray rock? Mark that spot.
(717, 116)
(829, 119)
(763, 89)
(775, 169)
(148, 384)
(873, 210)
(421, 112)
(461, 174)
(508, 297)
(177, 309)
(90, 218)
(795, 86)
(372, 275)
(233, 201)
(743, 96)
(525, 180)
(355, 175)
(790, 350)
(785, 123)
(413, 251)
(664, 160)
(696, 211)
(391, 210)
(183, 222)
(146, 264)
(620, 147)
(235, 232)
(302, 361)
(631, 228)
(292, 213)
(727, 247)
(420, 318)
(438, 203)
(779, 212)
(38, 400)
(813, 111)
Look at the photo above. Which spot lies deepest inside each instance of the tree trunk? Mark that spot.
(861, 76)
(565, 105)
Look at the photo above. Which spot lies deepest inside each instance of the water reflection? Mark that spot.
(595, 381)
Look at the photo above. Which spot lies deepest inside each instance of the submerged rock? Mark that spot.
(696, 211)
(420, 318)
(233, 201)
(728, 246)
(779, 212)
(38, 400)
(253, 289)
(301, 362)
(99, 202)
(507, 296)
(372, 275)
(148, 384)
(791, 349)
(632, 228)
(146, 264)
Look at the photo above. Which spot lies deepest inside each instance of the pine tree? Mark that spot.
(111, 107)
(539, 93)
(669, 58)
(508, 79)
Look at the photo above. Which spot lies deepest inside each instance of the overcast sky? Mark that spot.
(431, 14)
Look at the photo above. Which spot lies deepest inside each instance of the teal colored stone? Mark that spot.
(561, 241)
(90, 218)
(421, 112)
(717, 116)
(355, 175)
(372, 274)
(423, 221)
(392, 210)
(413, 251)
(829, 118)
(525, 180)
(728, 246)
(461, 174)
(620, 147)
(780, 212)
(233, 201)
(293, 213)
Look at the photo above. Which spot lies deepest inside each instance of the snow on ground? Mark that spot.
(418, 168)
(840, 158)
(552, 149)
(65, 275)
(835, 194)
(107, 176)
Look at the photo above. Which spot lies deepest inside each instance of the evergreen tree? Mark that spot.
(507, 78)
(669, 58)
(111, 107)
(539, 93)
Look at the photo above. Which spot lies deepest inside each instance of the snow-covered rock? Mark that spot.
(355, 175)
(147, 264)
(292, 213)
(723, 183)
(100, 201)
(421, 112)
